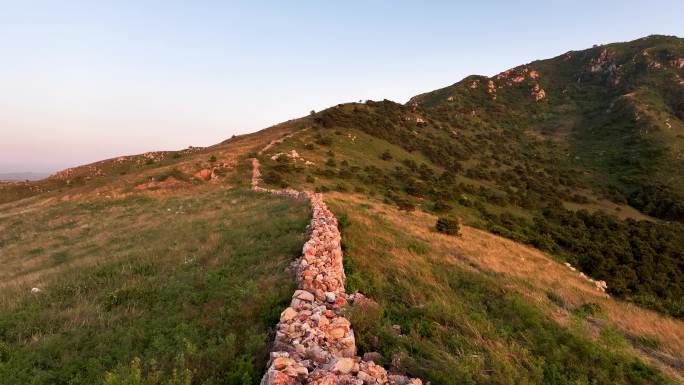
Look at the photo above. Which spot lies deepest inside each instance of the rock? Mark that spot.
(288, 314)
(396, 329)
(330, 297)
(204, 174)
(278, 378)
(344, 365)
(281, 363)
(303, 295)
(365, 377)
(337, 333)
(36, 290)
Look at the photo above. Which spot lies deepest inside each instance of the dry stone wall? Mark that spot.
(314, 343)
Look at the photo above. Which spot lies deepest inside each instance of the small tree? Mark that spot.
(449, 226)
(441, 206)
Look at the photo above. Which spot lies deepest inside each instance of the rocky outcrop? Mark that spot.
(538, 93)
(314, 342)
(206, 174)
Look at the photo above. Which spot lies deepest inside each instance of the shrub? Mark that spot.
(441, 206)
(212, 159)
(273, 177)
(450, 226)
(324, 140)
(386, 155)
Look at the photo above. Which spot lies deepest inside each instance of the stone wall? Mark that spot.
(314, 342)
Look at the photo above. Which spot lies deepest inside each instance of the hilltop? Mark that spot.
(564, 175)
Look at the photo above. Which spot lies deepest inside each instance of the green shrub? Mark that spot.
(324, 140)
(274, 178)
(450, 226)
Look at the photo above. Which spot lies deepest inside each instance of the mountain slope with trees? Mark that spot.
(580, 155)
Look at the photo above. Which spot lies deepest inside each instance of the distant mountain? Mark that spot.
(21, 176)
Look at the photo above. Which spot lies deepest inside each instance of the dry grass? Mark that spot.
(533, 274)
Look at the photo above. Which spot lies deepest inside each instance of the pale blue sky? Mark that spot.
(82, 81)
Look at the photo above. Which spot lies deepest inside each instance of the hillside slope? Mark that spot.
(165, 267)
(545, 153)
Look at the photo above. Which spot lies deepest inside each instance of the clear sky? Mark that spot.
(82, 81)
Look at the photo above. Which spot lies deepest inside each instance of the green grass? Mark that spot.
(459, 326)
(184, 285)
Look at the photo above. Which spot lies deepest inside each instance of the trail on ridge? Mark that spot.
(314, 342)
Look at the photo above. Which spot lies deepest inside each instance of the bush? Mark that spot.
(386, 155)
(450, 226)
(273, 177)
(441, 206)
(324, 140)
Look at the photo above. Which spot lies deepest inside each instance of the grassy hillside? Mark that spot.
(579, 155)
(179, 278)
(189, 285)
(640, 258)
(164, 268)
(145, 269)
(479, 309)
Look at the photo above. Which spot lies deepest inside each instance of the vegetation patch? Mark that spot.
(186, 294)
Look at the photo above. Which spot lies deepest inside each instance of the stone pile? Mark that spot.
(601, 286)
(314, 342)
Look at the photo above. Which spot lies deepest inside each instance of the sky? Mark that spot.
(82, 81)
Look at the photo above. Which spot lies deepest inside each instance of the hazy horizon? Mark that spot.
(83, 82)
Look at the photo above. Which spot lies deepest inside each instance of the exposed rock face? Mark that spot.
(204, 174)
(605, 63)
(314, 342)
(538, 93)
(491, 89)
(677, 63)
